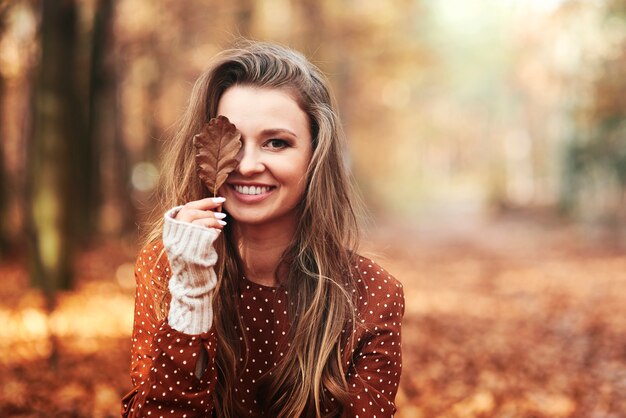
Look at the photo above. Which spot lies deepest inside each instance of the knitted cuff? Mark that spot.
(192, 258)
(191, 316)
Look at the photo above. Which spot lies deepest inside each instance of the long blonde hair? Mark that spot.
(316, 269)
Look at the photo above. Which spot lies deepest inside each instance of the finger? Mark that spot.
(208, 203)
(189, 215)
(210, 223)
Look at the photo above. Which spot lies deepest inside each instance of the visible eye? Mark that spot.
(276, 143)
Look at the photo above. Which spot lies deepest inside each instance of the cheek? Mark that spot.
(296, 174)
(289, 168)
(300, 184)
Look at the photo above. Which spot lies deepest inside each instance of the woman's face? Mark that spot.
(270, 179)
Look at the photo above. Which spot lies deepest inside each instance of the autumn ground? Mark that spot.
(505, 317)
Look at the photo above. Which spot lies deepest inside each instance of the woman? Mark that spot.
(256, 303)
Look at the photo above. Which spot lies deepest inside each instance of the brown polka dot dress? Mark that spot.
(164, 360)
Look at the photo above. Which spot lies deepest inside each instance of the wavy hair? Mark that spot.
(315, 269)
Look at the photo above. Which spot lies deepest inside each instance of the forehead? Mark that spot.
(250, 108)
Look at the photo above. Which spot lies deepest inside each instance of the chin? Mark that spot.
(261, 219)
(249, 218)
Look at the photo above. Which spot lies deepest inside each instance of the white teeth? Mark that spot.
(251, 189)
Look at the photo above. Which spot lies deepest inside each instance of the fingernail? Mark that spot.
(221, 222)
(219, 199)
(219, 215)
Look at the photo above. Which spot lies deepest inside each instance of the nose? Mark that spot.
(249, 161)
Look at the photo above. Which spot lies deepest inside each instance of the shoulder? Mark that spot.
(371, 276)
(152, 265)
(381, 295)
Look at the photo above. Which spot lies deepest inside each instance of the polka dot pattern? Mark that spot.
(164, 360)
(375, 363)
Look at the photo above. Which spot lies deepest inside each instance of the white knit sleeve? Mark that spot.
(192, 259)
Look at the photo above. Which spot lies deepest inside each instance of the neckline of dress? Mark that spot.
(259, 286)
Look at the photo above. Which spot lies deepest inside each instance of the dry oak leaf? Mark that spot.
(217, 146)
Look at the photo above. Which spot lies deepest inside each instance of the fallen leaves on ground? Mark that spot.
(510, 319)
(504, 318)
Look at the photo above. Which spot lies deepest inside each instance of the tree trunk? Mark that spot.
(109, 201)
(4, 192)
(52, 207)
(244, 15)
(4, 207)
(312, 26)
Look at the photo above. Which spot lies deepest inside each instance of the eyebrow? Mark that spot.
(278, 131)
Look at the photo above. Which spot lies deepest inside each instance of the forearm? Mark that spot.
(172, 384)
(192, 258)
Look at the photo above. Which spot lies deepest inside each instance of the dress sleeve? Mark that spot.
(374, 372)
(163, 360)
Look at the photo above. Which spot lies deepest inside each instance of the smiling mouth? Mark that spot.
(251, 190)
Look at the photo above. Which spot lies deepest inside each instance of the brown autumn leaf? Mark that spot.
(216, 146)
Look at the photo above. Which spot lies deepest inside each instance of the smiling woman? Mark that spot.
(265, 308)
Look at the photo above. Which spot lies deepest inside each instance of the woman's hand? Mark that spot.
(203, 212)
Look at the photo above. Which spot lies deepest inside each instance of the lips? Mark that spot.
(251, 194)
(251, 190)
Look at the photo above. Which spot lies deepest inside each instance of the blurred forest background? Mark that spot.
(488, 138)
